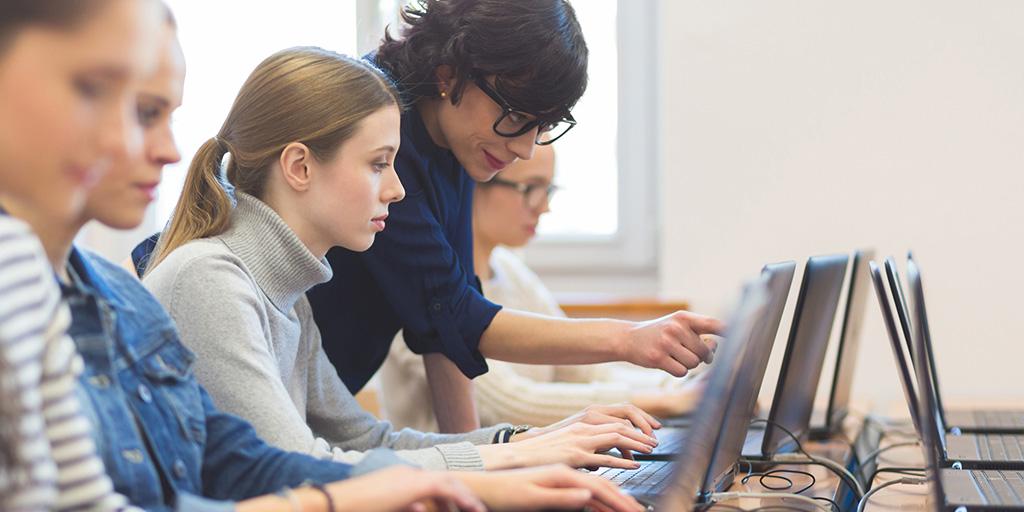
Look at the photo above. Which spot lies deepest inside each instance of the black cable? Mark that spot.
(918, 472)
(835, 506)
(848, 479)
(776, 474)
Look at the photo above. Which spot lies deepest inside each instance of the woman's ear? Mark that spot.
(295, 163)
(445, 80)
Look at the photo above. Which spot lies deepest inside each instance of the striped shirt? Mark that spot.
(57, 466)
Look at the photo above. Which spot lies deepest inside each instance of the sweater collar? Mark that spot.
(279, 262)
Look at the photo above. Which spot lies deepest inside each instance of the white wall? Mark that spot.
(792, 128)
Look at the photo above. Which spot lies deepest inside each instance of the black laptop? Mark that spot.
(964, 450)
(858, 289)
(676, 485)
(804, 358)
(779, 279)
(989, 421)
(954, 489)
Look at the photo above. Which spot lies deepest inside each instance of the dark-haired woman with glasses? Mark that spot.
(485, 81)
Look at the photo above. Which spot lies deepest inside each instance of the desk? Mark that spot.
(899, 496)
(826, 482)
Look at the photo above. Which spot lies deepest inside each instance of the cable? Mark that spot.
(776, 474)
(872, 492)
(874, 455)
(804, 499)
(918, 472)
(836, 468)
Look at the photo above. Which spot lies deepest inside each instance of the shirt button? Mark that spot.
(100, 381)
(179, 469)
(436, 306)
(144, 394)
(134, 456)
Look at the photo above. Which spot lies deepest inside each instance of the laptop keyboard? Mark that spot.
(1000, 487)
(650, 478)
(995, 447)
(1001, 419)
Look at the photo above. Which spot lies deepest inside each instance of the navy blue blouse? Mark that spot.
(418, 275)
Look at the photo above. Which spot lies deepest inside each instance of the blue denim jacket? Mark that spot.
(164, 444)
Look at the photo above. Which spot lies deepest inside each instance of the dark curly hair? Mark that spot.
(534, 48)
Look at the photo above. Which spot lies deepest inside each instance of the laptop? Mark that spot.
(984, 421)
(857, 292)
(965, 450)
(779, 279)
(804, 358)
(954, 489)
(675, 485)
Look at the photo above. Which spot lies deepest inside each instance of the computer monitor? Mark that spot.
(857, 292)
(813, 317)
(779, 279)
(694, 457)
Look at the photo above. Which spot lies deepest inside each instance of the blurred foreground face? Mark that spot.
(120, 198)
(67, 102)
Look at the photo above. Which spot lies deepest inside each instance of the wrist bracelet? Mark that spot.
(330, 501)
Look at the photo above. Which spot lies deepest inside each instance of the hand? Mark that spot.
(402, 488)
(673, 401)
(625, 414)
(672, 343)
(556, 487)
(579, 445)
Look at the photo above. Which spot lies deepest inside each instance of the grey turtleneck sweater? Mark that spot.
(239, 302)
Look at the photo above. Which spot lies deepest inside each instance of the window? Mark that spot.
(604, 221)
(587, 204)
(223, 42)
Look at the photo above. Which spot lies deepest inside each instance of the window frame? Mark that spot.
(632, 250)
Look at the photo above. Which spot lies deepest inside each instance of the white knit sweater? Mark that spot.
(508, 392)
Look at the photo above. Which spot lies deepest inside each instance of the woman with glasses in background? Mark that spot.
(506, 212)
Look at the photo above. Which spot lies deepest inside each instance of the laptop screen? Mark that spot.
(805, 352)
(699, 441)
(779, 278)
(902, 365)
(931, 422)
(849, 340)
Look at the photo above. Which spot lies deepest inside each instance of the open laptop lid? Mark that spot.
(813, 317)
(779, 279)
(857, 292)
(902, 366)
(931, 422)
(903, 308)
(699, 442)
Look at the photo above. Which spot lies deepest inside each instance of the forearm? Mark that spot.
(452, 395)
(521, 337)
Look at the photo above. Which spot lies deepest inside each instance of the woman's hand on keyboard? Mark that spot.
(580, 445)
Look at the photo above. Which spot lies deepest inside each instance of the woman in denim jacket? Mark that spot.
(165, 445)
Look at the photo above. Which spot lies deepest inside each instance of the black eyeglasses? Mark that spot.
(534, 194)
(513, 123)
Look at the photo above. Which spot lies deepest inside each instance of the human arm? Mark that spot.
(672, 343)
(451, 394)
